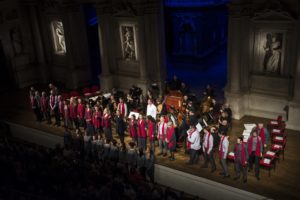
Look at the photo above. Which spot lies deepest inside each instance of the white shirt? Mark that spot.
(211, 142)
(151, 110)
(194, 139)
(224, 147)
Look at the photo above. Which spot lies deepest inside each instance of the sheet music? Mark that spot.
(274, 122)
(107, 95)
(135, 114)
(276, 130)
(231, 153)
(205, 122)
(267, 161)
(93, 98)
(278, 138)
(249, 126)
(199, 127)
(246, 132)
(270, 153)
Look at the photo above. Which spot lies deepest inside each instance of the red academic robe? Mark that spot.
(80, 110)
(132, 129)
(150, 130)
(96, 119)
(141, 129)
(73, 111)
(88, 115)
(44, 104)
(171, 138)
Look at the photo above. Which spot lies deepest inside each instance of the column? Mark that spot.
(37, 40)
(106, 79)
(234, 49)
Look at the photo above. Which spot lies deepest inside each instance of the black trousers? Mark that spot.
(254, 159)
(37, 113)
(209, 158)
(193, 156)
(57, 116)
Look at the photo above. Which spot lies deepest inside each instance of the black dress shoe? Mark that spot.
(257, 178)
(221, 173)
(165, 155)
(245, 180)
(226, 176)
(204, 166)
(213, 170)
(236, 178)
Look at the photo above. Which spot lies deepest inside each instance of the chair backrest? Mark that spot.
(65, 96)
(86, 90)
(74, 93)
(279, 119)
(94, 88)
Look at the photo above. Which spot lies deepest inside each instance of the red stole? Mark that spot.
(66, 112)
(88, 115)
(221, 147)
(52, 101)
(150, 129)
(162, 131)
(106, 121)
(262, 135)
(121, 109)
(141, 129)
(250, 143)
(207, 142)
(73, 111)
(95, 120)
(132, 129)
(80, 110)
(170, 136)
(188, 144)
(61, 107)
(243, 160)
(44, 105)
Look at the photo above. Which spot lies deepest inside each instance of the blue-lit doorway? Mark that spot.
(92, 21)
(196, 43)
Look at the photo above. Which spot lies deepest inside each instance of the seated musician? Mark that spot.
(161, 107)
(184, 89)
(226, 108)
(175, 83)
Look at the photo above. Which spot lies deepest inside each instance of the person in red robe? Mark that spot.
(61, 107)
(240, 159)
(263, 134)
(255, 148)
(150, 131)
(106, 124)
(45, 107)
(66, 115)
(96, 120)
(73, 113)
(142, 136)
(80, 114)
(122, 108)
(133, 128)
(88, 120)
(171, 139)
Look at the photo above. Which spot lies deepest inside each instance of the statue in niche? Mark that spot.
(128, 42)
(58, 37)
(16, 40)
(273, 52)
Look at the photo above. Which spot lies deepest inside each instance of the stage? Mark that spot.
(282, 184)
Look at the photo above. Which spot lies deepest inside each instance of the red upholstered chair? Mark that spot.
(230, 156)
(277, 132)
(279, 148)
(65, 96)
(267, 163)
(74, 93)
(86, 92)
(95, 89)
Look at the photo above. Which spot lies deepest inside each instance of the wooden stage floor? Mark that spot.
(282, 184)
